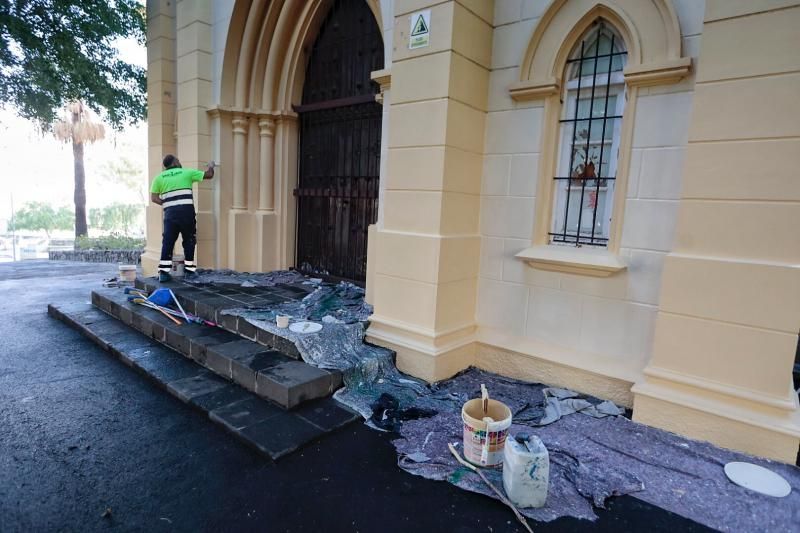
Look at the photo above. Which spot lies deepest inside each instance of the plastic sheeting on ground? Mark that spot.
(367, 371)
(592, 457)
(245, 279)
(574, 485)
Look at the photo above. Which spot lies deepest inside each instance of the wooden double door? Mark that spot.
(340, 145)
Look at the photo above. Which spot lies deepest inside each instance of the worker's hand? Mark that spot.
(209, 173)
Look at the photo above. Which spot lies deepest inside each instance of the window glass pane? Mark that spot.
(601, 55)
(599, 107)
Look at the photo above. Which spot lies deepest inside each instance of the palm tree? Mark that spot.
(78, 128)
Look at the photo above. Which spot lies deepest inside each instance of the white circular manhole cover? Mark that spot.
(757, 478)
(305, 327)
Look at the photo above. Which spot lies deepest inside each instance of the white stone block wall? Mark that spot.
(613, 317)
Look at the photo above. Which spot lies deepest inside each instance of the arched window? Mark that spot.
(593, 103)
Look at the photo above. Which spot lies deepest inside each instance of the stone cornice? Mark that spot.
(244, 112)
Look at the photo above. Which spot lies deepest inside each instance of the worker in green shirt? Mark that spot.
(172, 190)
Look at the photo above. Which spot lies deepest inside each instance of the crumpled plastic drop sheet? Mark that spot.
(368, 371)
(226, 276)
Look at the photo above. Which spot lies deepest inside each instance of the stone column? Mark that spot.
(240, 124)
(194, 73)
(267, 226)
(241, 249)
(383, 78)
(726, 331)
(266, 131)
(161, 97)
(426, 250)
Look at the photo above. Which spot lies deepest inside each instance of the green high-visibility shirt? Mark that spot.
(174, 185)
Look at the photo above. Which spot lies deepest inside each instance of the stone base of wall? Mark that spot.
(126, 257)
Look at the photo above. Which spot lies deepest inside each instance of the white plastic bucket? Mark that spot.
(177, 266)
(127, 273)
(484, 441)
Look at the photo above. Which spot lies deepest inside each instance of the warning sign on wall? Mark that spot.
(420, 34)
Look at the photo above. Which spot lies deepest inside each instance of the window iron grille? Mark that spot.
(590, 133)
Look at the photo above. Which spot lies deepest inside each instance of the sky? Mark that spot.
(37, 167)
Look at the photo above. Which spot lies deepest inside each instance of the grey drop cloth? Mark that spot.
(594, 458)
(574, 485)
(591, 458)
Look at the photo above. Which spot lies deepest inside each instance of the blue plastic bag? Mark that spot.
(160, 297)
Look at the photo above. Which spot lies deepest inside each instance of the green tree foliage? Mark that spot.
(39, 216)
(53, 52)
(127, 173)
(115, 217)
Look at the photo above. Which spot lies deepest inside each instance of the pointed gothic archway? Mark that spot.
(340, 141)
(256, 125)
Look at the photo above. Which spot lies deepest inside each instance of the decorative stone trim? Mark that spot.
(239, 125)
(663, 73)
(266, 127)
(652, 38)
(586, 261)
(522, 91)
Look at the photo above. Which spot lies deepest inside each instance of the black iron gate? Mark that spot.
(340, 144)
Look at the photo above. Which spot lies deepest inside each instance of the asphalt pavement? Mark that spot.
(86, 444)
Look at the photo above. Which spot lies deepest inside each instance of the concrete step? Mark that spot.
(258, 423)
(258, 367)
(210, 302)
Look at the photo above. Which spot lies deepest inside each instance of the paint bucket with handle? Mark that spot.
(486, 424)
(177, 266)
(127, 273)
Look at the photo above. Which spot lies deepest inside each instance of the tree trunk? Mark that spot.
(80, 190)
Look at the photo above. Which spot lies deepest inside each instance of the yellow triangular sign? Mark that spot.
(420, 27)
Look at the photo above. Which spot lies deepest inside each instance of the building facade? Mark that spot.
(590, 194)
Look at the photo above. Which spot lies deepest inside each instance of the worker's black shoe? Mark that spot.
(189, 274)
(164, 277)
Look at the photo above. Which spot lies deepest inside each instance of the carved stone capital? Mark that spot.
(240, 123)
(266, 127)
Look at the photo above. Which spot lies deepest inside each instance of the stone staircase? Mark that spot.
(248, 380)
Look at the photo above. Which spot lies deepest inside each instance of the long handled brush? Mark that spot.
(146, 303)
(495, 489)
(175, 299)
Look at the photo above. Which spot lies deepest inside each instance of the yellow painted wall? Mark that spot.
(704, 315)
(726, 331)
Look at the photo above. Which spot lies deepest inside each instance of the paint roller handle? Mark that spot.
(485, 398)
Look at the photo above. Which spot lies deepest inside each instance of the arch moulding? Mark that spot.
(263, 71)
(649, 27)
